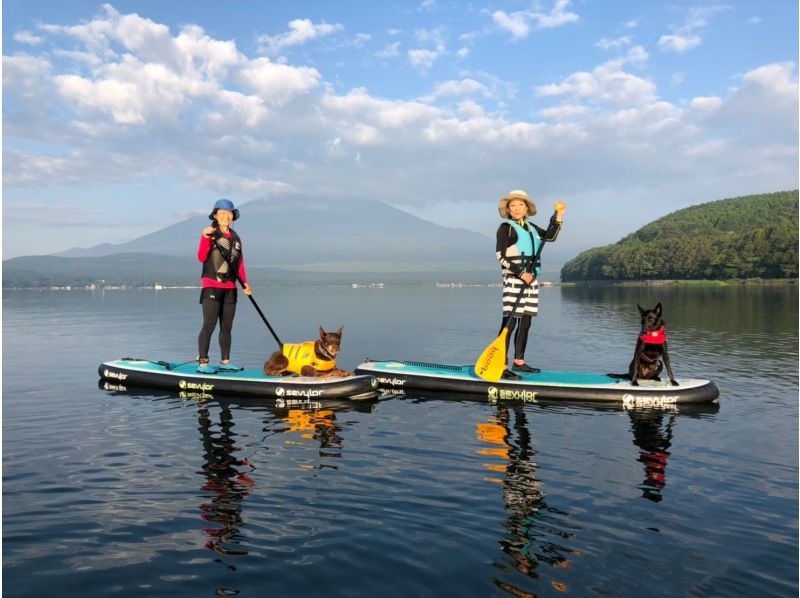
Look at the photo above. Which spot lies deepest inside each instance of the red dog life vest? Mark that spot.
(654, 337)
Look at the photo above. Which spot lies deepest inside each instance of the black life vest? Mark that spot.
(222, 263)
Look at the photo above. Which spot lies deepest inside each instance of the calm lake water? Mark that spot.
(148, 494)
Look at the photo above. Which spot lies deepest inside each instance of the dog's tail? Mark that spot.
(619, 376)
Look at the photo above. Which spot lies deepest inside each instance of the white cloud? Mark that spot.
(300, 32)
(470, 109)
(358, 106)
(77, 56)
(606, 83)
(679, 43)
(515, 23)
(687, 36)
(422, 59)
(557, 17)
(705, 103)
(520, 23)
(390, 51)
(637, 56)
(462, 52)
(359, 39)
(20, 70)
(434, 37)
(278, 83)
(614, 44)
(565, 112)
(26, 37)
(459, 88)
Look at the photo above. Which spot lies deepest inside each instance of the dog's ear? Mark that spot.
(657, 309)
(641, 310)
(322, 332)
(339, 332)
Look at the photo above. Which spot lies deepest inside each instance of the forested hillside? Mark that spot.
(754, 236)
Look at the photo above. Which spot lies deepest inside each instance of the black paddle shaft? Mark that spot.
(252, 299)
(533, 268)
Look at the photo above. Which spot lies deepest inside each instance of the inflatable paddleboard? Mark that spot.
(545, 385)
(184, 379)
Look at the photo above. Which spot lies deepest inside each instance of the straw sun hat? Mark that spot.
(502, 206)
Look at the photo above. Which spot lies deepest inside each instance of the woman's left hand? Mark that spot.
(248, 290)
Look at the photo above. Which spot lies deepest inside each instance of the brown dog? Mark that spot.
(312, 358)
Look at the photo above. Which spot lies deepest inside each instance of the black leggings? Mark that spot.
(218, 304)
(521, 339)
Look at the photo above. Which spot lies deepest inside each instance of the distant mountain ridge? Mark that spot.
(753, 236)
(282, 241)
(319, 231)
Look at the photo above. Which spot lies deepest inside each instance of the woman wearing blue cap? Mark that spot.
(220, 251)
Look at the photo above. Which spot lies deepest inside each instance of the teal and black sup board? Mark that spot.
(184, 378)
(399, 376)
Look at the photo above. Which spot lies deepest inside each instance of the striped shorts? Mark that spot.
(529, 305)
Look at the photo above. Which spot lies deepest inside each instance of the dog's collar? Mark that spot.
(654, 337)
(325, 353)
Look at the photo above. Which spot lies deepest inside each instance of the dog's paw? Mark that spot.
(674, 383)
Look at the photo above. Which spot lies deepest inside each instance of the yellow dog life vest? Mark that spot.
(301, 354)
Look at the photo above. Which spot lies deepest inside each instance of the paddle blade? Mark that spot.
(492, 362)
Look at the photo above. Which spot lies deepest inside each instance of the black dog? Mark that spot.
(651, 349)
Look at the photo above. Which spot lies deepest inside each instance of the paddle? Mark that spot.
(252, 299)
(493, 360)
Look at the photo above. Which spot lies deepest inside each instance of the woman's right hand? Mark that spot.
(208, 232)
(527, 278)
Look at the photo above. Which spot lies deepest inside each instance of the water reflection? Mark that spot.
(319, 425)
(227, 482)
(653, 437)
(534, 530)
(653, 431)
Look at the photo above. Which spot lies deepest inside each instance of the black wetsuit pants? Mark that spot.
(218, 305)
(523, 326)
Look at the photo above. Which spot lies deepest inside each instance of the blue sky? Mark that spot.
(122, 118)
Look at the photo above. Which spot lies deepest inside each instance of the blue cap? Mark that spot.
(224, 204)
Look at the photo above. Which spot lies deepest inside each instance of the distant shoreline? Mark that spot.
(440, 284)
(681, 282)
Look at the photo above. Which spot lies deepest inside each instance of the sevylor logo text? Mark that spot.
(500, 394)
(303, 403)
(202, 386)
(118, 376)
(114, 387)
(392, 381)
(290, 392)
(629, 400)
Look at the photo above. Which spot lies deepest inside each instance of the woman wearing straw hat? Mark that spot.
(220, 251)
(517, 242)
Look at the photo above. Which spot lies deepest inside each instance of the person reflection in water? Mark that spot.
(653, 438)
(226, 483)
(530, 520)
